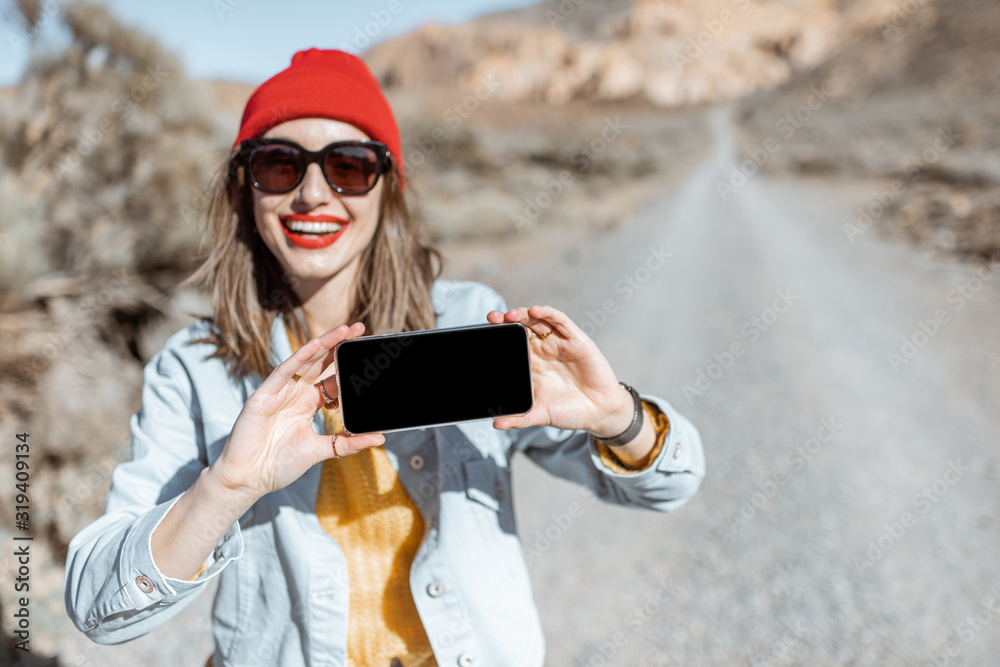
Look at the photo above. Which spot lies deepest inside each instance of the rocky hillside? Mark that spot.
(670, 53)
(477, 102)
(914, 102)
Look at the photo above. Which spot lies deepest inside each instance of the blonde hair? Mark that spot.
(248, 287)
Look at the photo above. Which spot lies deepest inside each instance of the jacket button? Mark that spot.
(416, 462)
(144, 584)
(466, 660)
(677, 451)
(435, 589)
(499, 490)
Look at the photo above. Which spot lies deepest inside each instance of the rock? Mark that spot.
(670, 52)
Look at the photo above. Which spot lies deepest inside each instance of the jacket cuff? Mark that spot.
(140, 578)
(668, 455)
(661, 425)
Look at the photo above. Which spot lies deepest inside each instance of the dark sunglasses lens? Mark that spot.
(352, 168)
(275, 168)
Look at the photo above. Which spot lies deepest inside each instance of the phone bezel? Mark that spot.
(336, 365)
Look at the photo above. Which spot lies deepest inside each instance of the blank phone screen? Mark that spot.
(438, 376)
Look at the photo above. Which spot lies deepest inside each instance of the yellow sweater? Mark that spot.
(362, 504)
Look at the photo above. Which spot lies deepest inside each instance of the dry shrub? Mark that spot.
(957, 218)
(105, 151)
(105, 148)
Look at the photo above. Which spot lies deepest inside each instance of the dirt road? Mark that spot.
(849, 515)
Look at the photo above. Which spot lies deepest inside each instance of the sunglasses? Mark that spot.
(277, 166)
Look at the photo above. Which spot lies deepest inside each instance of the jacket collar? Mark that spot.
(281, 347)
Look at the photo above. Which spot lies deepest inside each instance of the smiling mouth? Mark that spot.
(312, 228)
(314, 232)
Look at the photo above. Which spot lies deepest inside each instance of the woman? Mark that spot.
(334, 549)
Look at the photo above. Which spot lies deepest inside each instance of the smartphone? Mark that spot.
(435, 377)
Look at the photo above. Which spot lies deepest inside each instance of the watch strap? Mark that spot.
(629, 434)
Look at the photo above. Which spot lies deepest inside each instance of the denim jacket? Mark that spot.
(283, 587)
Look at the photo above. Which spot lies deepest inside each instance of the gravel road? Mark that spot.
(849, 511)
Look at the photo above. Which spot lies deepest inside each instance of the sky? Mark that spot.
(249, 40)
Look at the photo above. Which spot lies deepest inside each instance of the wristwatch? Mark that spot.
(629, 434)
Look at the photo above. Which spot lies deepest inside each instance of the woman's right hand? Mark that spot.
(273, 442)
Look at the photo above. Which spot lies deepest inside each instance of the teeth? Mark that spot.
(312, 227)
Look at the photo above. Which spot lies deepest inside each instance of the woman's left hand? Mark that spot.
(573, 383)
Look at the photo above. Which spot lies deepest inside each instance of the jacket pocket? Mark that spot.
(492, 518)
(481, 482)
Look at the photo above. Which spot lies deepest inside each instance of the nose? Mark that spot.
(314, 191)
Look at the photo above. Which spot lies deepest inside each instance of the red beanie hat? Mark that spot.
(324, 83)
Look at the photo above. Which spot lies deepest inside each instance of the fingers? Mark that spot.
(306, 363)
(539, 327)
(505, 423)
(322, 358)
(318, 364)
(326, 392)
(542, 320)
(557, 320)
(290, 370)
(340, 445)
(352, 444)
(329, 385)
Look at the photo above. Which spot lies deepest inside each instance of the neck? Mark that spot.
(326, 304)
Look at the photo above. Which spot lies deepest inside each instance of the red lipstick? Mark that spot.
(304, 239)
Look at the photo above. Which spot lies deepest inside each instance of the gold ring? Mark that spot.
(335, 454)
(296, 377)
(330, 402)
